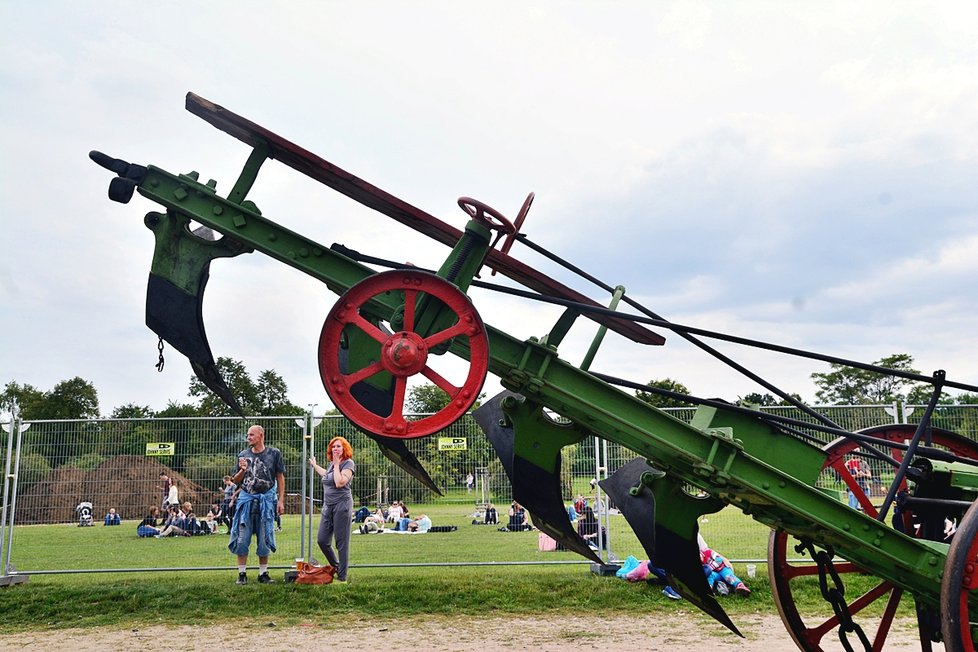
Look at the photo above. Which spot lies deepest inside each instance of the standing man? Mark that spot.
(261, 479)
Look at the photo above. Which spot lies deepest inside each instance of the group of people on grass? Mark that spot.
(180, 521)
(718, 570)
(254, 498)
(397, 515)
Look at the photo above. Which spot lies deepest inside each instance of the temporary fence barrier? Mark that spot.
(57, 472)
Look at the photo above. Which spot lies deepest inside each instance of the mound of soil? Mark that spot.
(129, 483)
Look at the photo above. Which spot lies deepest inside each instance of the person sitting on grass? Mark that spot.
(211, 519)
(395, 513)
(517, 519)
(720, 575)
(588, 527)
(491, 518)
(147, 526)
(174, 525)
(112, 518)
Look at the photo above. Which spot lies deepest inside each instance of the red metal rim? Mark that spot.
(403, 354)
(960, 580)
(967, 586)
(809, 632)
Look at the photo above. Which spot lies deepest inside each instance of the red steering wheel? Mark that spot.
(486, 215)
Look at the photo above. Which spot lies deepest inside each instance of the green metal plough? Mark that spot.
(390, 327)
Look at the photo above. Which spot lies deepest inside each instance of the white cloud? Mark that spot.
(785, 174)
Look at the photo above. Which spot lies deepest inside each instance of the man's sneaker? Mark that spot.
(265, 579)
(670, 593)
(721, 588)
(242, 578)
(742, 589)
(339, 581)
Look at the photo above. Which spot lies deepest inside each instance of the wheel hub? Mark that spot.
(404, 354)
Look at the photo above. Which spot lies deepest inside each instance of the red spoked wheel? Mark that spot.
(404, 353)
(959, 621)
(810, 632)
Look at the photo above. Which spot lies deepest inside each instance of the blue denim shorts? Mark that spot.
(247, 527)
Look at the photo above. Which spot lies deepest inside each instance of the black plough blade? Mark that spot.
(671, 547)
(535, 487)
(177, 317)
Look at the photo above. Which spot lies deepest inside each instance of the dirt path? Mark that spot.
(673, 632)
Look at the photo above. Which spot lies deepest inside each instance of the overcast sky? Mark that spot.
(805, 174)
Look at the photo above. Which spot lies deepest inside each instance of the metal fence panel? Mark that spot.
(115, 463)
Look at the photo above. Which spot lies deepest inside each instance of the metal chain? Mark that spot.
(835, 595)
(159, 365)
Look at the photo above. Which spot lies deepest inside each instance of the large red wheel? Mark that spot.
(810, 632)
(959, 619)
(404, 353)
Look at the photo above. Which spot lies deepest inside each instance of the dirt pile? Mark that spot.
(129, 483)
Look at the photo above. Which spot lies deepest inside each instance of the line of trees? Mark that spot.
(77, 398)
(841, 385)
(267, 394)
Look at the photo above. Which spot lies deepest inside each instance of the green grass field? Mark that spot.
(378, 586)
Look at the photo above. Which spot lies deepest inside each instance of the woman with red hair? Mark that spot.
(337, 514)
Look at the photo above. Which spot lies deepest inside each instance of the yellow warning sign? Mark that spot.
(160, 448)
(453, 444)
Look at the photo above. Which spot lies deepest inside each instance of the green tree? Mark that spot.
(30, 400)
(430, 398)
(72, 399)
(848, 386)
(920, 395)
(174, 409)
(426, 398)
(268, 396)
(765, 400)
(758, 399)
(238, 381)
(132, 411)
(660, 401)
(272, 396)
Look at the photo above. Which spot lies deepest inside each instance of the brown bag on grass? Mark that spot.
(309, 574)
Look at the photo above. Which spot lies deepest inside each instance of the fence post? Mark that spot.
(9, 427)
(11, 479)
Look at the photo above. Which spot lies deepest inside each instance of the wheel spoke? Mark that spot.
(887, 621)
(410, 301)
(442, 336)
(400, 389)
(869, 597)
(368, 328)
(363, 374)
(440, 381)
(791, 572)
